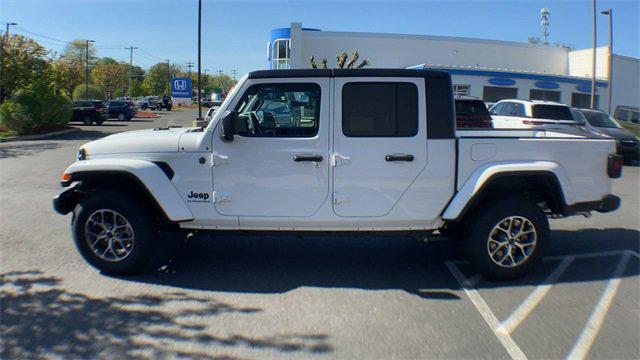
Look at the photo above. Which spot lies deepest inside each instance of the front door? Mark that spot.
(280, 167)
(380, 143)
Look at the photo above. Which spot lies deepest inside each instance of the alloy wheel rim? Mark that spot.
(109, 235)
(512, 241)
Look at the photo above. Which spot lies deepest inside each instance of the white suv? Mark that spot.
(530, 114)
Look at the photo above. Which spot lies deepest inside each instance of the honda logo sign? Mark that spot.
(181, 88)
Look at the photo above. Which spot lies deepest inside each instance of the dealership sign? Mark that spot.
(181, 88)
(502, 81)
(546, 85)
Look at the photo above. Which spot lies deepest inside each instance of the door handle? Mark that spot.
(399, 157)
(313, 158)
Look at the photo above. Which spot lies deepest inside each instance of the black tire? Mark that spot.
(452, 232)
(522, 257)
(143, 107)
(87, 120)
(99, 121)
(121, 117)
(140, 221)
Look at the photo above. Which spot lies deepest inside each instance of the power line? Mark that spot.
(151, 55)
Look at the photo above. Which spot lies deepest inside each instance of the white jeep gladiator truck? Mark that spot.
(345, 150)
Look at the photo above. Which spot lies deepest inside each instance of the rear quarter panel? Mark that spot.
(582, 162)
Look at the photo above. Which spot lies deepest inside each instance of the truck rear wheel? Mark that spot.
(506, 238)
(112, 233)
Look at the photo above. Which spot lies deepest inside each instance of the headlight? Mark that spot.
(82, 154)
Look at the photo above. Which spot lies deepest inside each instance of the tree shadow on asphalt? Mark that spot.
(14, 150)
(41, 319)
(277, 264)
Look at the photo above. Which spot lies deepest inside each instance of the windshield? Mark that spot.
(552, 112)
(600, 120)
(475, 108)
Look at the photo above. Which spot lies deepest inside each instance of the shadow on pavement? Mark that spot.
(40, 319)
(277, 264)
(17, 149)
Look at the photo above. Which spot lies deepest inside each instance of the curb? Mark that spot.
(38, 136)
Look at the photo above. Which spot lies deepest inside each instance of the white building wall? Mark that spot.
(580, 62)
(626, 82)
(399, 51)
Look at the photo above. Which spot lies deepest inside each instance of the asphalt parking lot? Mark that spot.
(316, 297)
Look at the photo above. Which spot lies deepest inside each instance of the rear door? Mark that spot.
(380, 143)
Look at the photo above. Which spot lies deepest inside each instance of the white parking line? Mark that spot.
(530, 303)
(593, 255)
(589, 333)
(505, 339)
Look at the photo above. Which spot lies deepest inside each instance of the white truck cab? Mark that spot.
(530, 114)
(336, 150)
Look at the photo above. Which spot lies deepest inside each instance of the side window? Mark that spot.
(519, 110)
(623, 115)
(497, 109)
(281, 110)
(379, 109)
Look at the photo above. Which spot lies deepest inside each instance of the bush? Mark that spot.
(36, 110)
(94, 92)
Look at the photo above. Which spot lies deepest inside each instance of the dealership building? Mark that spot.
(488, 69)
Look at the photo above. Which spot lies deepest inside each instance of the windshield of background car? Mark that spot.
(472, 108)
(552, 112)
(578, 116)
(600, 120)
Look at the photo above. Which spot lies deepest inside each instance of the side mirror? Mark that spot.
(233, 124)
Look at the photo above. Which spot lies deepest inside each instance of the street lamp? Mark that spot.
(593, 58)
(199, 59)
(610, 78)
(6, 35)
(86, 70)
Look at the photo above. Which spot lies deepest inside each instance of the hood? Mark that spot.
(138, 141)
(618, 134)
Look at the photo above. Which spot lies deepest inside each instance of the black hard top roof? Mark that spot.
(261, 74)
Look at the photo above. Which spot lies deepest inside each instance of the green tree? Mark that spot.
(110, 77)
(25, 63)
(77, 50)
(157, 78)
(35, 110)
(91, 92)
(67, 74)
(138, 89)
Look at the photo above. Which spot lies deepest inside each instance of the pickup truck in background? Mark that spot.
(531, 114)
(370, 150)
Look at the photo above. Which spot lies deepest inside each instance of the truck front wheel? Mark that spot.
(506, 238)
(112, 233)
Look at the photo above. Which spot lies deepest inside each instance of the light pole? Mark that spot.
(609, 77)
(593, 59)
(199, 59)
(6, 36)
(86, 70)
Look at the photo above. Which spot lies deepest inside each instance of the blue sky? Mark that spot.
(235, 32)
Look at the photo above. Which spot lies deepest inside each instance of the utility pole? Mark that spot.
(169, 77)
(593, 59)
(5, 39)
(189, 66)
(234, 72)
(130, 48)
(199, 59)
(86, 69)
(609, 76)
